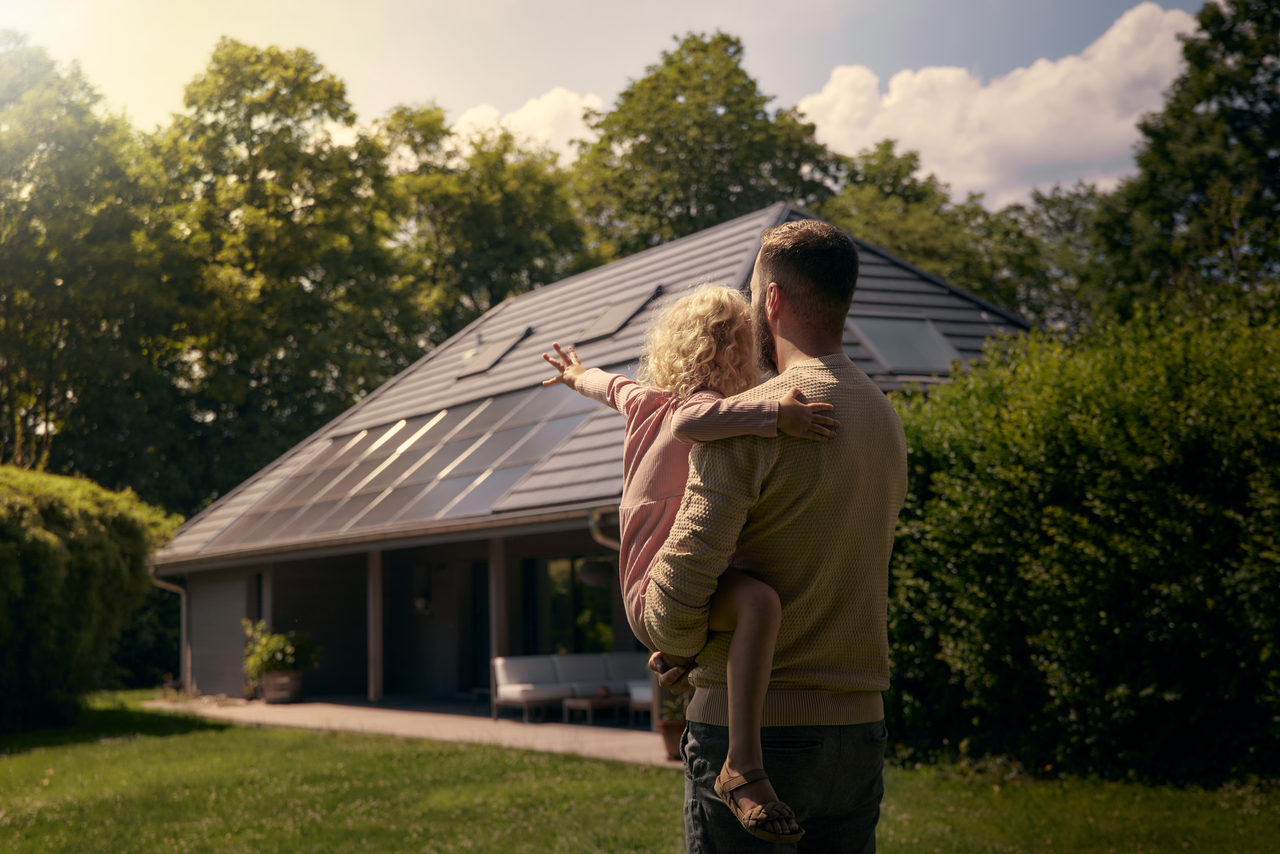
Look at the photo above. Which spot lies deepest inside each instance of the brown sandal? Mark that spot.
(752, 819)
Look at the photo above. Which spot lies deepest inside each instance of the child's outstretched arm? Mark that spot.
(617, 391)
(707, 416)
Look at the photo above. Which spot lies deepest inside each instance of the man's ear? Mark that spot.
(774, 300)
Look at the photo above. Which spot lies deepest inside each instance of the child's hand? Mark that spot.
(798, 418)
(673, 674)
(568, 366)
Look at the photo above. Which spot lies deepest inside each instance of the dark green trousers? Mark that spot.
(832, 776)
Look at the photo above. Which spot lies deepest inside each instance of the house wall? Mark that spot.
(429, 654)
(219, 600)
(325, 597)
(443, 653)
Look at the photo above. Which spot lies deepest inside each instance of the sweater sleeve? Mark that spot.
(613, 390)
(706, 416)
(724, 484)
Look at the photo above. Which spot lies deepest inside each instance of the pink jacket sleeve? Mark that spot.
(706, 416)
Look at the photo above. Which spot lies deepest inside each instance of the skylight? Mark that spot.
(904, 345)
(486, 354)
(614, 317)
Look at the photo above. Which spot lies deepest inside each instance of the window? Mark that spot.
(904, 345)
(614, 317)
(562, 613)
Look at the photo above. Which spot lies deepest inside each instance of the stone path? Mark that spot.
(597, 742)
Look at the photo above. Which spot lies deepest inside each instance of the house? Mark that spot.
(462, 510)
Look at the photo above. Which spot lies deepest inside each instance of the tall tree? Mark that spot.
(284, 233)
(1201, 219)
(690, 145)
(479, 219)
(84, 322)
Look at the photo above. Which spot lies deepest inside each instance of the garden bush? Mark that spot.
(1087, 571)
(72, 570)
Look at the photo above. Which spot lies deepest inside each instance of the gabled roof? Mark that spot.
(467, 439)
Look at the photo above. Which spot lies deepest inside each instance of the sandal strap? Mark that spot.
(730, 784)
(771, 811)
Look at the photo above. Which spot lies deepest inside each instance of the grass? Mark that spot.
(127, 779)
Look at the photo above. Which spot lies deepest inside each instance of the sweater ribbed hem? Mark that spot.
(792, 708)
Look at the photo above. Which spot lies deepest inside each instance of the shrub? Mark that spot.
(266, 652)
(72, 570)
(1087, 570)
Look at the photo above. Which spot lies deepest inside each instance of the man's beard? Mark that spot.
(766, 349)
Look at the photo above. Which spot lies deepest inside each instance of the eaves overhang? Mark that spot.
(513, 523)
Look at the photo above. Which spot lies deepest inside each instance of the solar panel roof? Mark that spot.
(438, 447)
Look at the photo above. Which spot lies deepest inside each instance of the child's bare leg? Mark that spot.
(751, 610)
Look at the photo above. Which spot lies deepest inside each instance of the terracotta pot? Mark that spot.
(282, 687)
(671, 733)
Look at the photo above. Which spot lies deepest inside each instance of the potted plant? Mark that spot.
(671, 724)
(275, 662)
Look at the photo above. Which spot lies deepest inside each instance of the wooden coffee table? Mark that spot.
(591, 704)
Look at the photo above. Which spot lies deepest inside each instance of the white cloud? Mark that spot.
(553, 120)
(1074, 117)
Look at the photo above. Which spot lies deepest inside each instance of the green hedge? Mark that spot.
(1087, 571)
(72, 570)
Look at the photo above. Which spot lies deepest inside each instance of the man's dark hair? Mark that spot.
(816, 265)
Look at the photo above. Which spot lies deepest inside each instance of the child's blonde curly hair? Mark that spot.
(702, 340)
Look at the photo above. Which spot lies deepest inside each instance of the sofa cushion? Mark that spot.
(529, 693)
(536, 669)
(580, 668)
(625, 666)
(641, 690)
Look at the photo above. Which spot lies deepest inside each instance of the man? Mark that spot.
(815, 521)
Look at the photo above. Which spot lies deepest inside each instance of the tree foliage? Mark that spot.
(72, 569)
(1026, 258)
(1087, 570)
(1201, 220)
(79, 307)
(479, 220)
(283, 234)
(691, 145)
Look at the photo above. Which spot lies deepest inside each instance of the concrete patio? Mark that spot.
(446, 722)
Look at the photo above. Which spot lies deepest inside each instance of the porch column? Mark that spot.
(499, 612)
(374, 622)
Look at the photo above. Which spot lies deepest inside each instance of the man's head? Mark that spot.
(816, 266)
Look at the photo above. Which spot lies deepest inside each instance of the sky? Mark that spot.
(998, 96)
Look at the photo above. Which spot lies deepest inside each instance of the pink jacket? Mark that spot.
(660, 429)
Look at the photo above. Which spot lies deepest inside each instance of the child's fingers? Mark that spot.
(825, 421)
(553, 363)
(820, 407)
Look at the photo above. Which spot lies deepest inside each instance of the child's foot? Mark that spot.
(758, 793)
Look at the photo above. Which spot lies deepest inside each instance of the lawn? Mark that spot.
(128, 779)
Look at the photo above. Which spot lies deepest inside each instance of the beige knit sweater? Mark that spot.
(815, 521)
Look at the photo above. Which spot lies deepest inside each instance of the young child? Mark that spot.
(698, 352)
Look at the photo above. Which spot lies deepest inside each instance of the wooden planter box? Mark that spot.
(282, 687)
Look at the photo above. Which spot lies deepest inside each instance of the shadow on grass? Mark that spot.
(107, 718)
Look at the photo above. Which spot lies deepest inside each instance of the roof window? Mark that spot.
(903, 345)
(485, 354)
(614, 317)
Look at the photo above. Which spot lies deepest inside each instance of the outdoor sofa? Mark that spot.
(540, 681)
